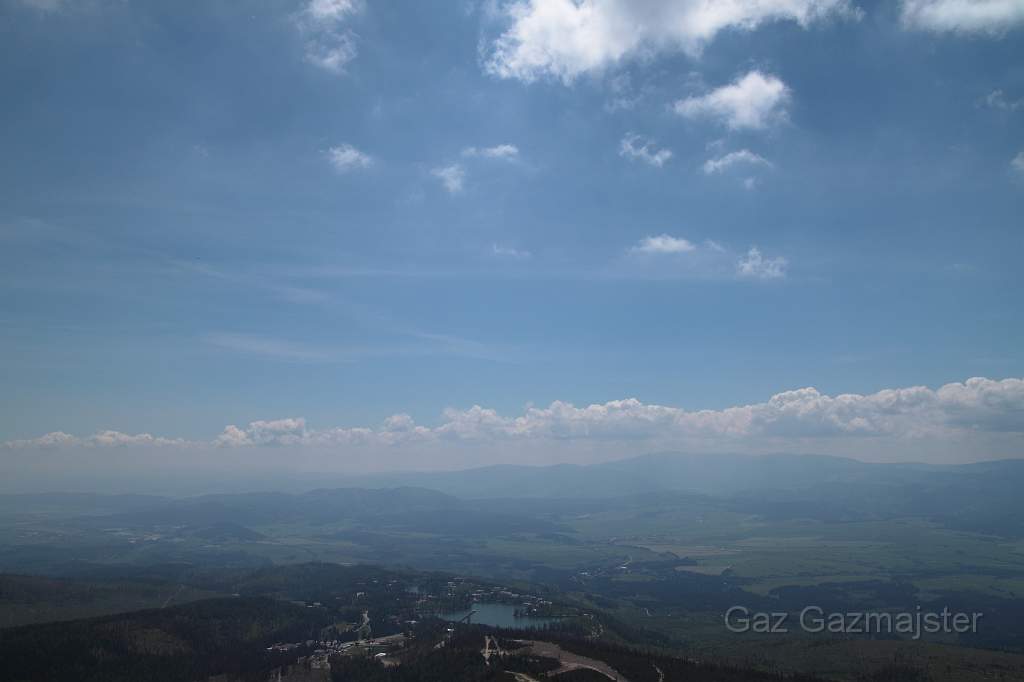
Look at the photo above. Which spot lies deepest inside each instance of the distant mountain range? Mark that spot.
(983, 496)
(719, 474)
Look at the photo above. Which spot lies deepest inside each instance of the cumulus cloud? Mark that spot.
(345, 158)
(993, 17)
(637, 148)
(664, 256)
(1017, 163)
(291, 431)
(753, 101)
(329, 43)
(966, 409)
(743, 157)
(452, 177)
(506, 152)
(100, 439)
(997, 100)
(662, 243)
(509, 252)
(754, 264)
(565, 39)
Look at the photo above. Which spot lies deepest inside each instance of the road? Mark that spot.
(171, 598)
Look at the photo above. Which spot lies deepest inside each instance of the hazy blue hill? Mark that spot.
(507, 480)
(482, 501)
(730, 473)
(708, 474)
(400, 499)
(1012, 467)
(980, 497)
(716, 474)
(231, 517)
(271, 507)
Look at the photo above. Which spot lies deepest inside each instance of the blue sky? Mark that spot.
(232, 213)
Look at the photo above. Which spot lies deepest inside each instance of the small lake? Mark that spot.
(499, 616)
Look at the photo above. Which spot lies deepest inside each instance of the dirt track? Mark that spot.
(571, 661)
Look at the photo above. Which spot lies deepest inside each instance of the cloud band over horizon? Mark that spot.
(968, 411)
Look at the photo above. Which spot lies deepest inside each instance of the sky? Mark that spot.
(351, 235)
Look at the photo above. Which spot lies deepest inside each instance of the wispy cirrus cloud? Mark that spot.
(272, 347)
(638, 148)
(406, 343)
(452, 177)
(279, 290)
(742, 157)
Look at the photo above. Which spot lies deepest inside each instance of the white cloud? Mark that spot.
(333, 54)
(663, 243)
(741, 157)
(710, 261)
(963, 410)
(451, 177)
(118, 439)
(509, 252)
(993, 17)
(331, 10)
(345, 157)
(1018, 163)
(507, 152)
(622, 95)
(290, 431)
(637, 148)
(100, 439)
(751, 102)
(564, 39)
(997, 100)
(329, 43)
(755, 265)
(54, 439)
